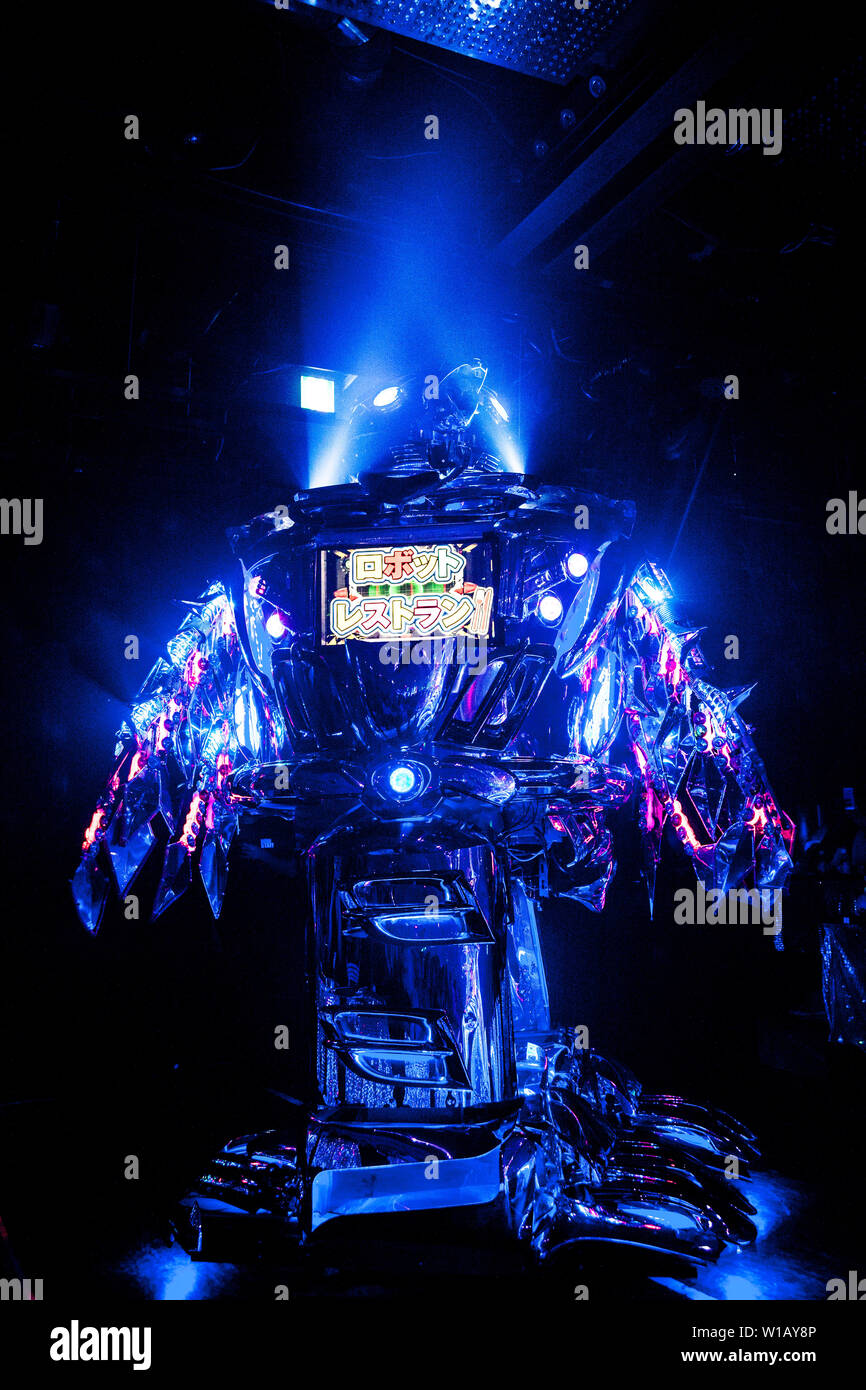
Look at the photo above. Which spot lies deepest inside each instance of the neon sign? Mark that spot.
(404, 592)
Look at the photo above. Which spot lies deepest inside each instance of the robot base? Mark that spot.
(583, 1161)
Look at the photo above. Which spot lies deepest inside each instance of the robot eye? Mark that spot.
(387, 396)
(550, 609)
(277, 625)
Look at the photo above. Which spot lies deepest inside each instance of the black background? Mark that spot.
(157, 1039)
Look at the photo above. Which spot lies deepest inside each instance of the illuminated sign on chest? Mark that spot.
(408, 591)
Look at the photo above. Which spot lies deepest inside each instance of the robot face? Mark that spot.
(462, 390)
(428, 424)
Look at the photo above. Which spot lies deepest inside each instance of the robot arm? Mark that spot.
(643, 705)
(174, 754)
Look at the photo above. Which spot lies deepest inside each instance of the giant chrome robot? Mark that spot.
(445, 675)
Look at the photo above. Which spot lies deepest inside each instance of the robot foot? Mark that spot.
(581, 1159)
(594, 1160)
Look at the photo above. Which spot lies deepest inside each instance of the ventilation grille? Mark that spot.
(544, 38)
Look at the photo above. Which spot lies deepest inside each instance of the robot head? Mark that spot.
(427, 425)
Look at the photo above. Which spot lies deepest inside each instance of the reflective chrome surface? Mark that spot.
(436, 796)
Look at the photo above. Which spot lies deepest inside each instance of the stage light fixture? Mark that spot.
(317, 393)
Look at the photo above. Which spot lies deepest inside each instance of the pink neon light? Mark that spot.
(586, 674)
(192, 824)
(195, 669)
(93, 829)
(138, 761)
(691, 838)
(655, 812)
(676, 670)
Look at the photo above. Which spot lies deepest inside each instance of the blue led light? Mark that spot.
(386, 397)
(317, 393)
(402, 780)
(550, 609)
(577, 565)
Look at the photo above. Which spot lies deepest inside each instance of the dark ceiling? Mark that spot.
(262, 126)
(255, 130)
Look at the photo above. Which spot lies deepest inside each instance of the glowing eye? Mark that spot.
(550, 609)
(386, 397)
(653, 592)
(499, 408)
(277, 625)
(402, 780)
(577, 565)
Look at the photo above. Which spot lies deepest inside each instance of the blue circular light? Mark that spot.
(577, 565)
(402, 780)
(550, 609)
(386, 397)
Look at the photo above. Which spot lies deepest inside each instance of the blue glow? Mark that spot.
(510, 455)
(653, 592)
(774, 1198)
(167, 1274)
(181, 1283)
(735, 1286)
(684, 1290)
(577, 565)
(768, 1269)
(402, 780)
(550, 609)
(499, 408)
(327, 468)
(387, 396)
(317, 393)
